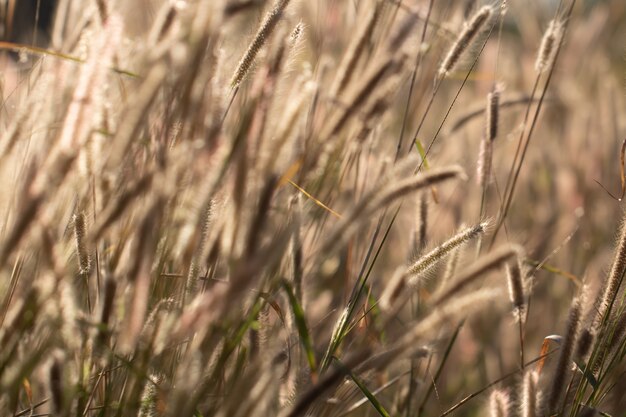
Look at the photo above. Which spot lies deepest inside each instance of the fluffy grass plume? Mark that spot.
(499, 404)
(549, 44)
(427, 261)
(566, 352)
(263, 33)
(530, 392)
(615, 276)
(470, 31)
(82, 253)
(516, 288)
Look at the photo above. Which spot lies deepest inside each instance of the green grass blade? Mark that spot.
(587, 375)
(371, 397)
(342, 328)
(303, 331)
(422, 152)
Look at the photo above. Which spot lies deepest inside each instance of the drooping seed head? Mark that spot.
(614, 279)
(263, 33)
(427, 261)
(499, 404)
(472, 28)
(530, 395)
(516, 288)
(584, 343)
(566, 353)
(549, 45)
(493, 107)
(84, 260)
(296, 33)
(485, 159)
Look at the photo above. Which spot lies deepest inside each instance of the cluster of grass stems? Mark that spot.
(291, 208)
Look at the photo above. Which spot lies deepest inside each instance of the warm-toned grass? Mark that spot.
(249, 208)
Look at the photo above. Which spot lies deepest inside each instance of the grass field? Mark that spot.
(313, 208)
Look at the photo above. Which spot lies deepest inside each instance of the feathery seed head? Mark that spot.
(493, 107)
(615, 277)
(549, 45)
(469, 33)
(485, 157)
(516, 288)
(584, 343)
(530, 394)
(263, 33)
(430, 259)
(566, 352)
(499, 404)
(297, 32)
(84, 259)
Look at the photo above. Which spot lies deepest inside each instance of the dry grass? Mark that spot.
(235, 208)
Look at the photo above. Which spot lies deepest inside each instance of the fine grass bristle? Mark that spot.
(470, 31)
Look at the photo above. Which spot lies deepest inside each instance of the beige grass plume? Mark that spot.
(499, 404)
(614, 279)
(471, 30)
(549, 45)
(417, 269)
(566, 352)
(516, 288)
(84, 259)
(263, 33)
(529, 395)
